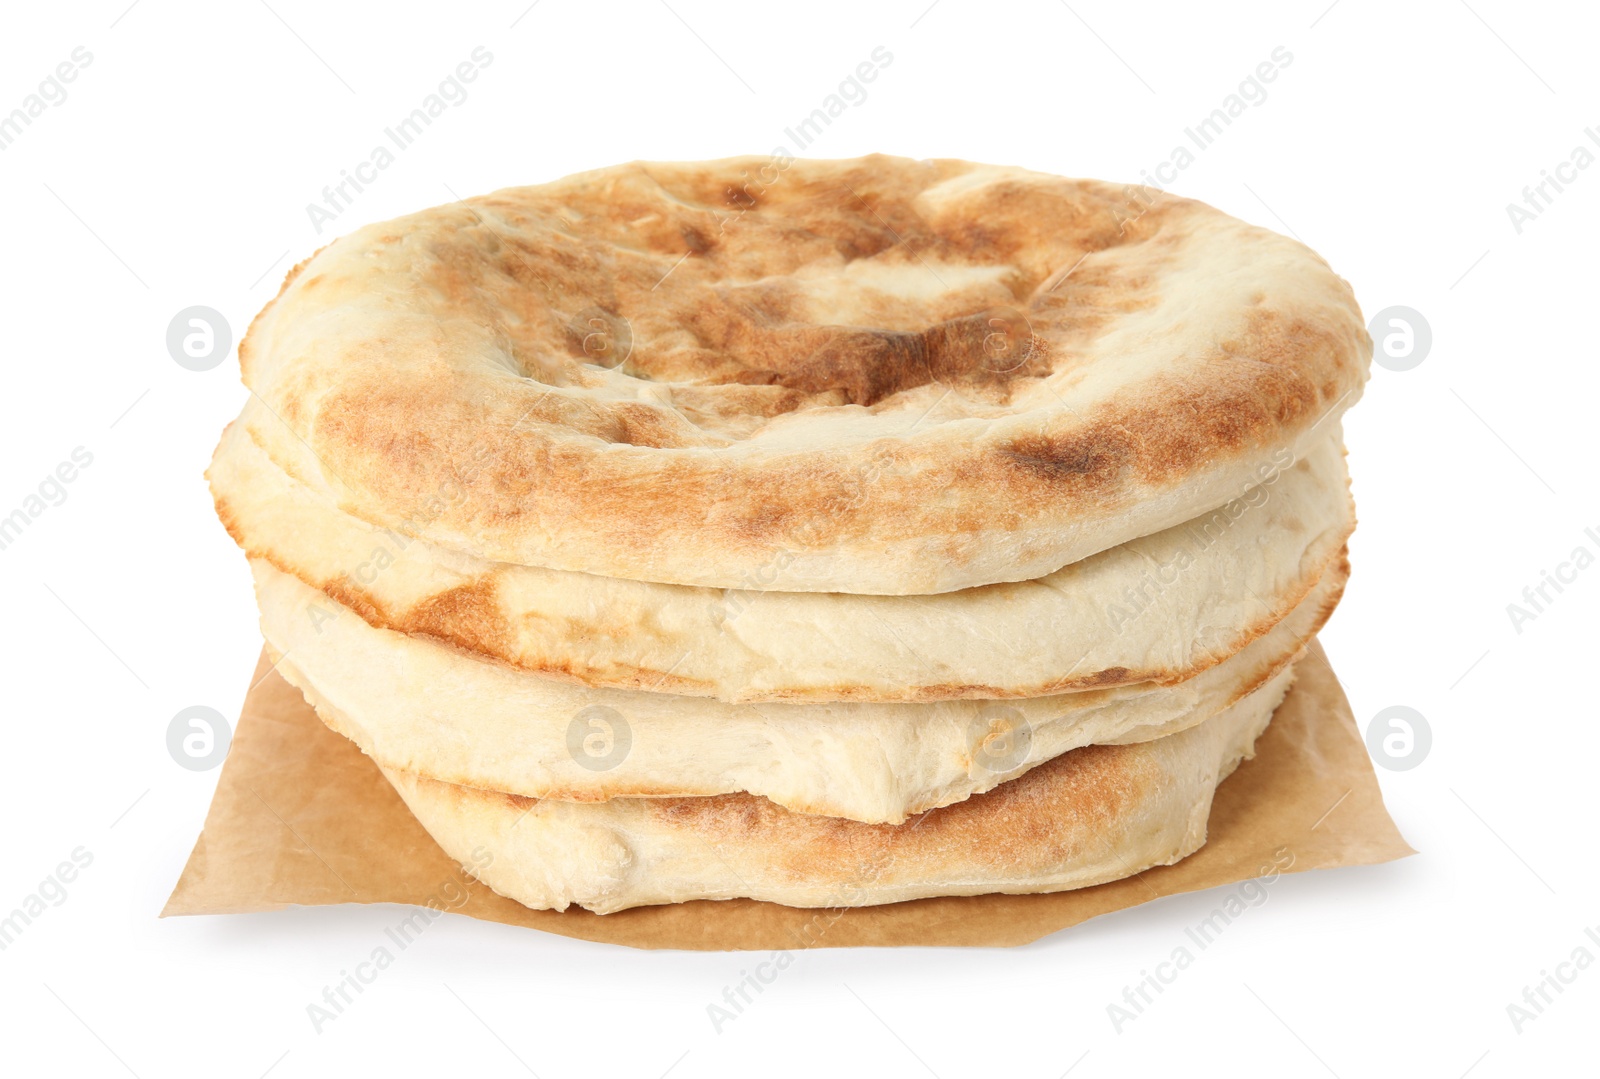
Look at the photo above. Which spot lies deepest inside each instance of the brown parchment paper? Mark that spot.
(302, 817)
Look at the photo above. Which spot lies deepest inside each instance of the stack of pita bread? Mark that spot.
(822, 532)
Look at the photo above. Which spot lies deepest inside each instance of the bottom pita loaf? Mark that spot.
(1092, 815)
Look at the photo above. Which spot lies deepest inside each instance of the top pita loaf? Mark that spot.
(878, 376)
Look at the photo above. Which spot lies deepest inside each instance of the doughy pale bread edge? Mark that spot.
(1096, 814)
(420, 706)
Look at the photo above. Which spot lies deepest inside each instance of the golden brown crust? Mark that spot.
(891, 376)
(1201, 591)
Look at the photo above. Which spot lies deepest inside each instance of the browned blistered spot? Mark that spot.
(1174, 423)
(517, 802)
(468, 616)
(640, 424)
(1111, 676)
(741, 196)
(345, 591)
(695, 239)
(736, 814)
(1088, 455)
(987, 349)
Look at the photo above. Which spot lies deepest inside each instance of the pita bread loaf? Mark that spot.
(1160, 608)
(1096, 814)
(422, 707)
(829, 533)
(877, 376)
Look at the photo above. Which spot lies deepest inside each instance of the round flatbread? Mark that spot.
(1161, 608)
(878, 376)
(1096, 814)
(423, 707)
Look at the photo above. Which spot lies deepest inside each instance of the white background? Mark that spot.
(177, 172)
